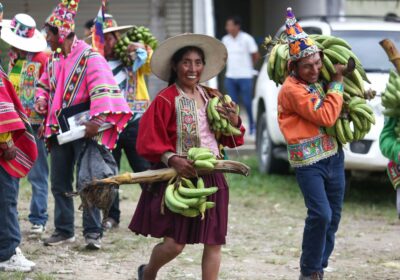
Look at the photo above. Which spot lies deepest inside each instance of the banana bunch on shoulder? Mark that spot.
(203, 158)
(139, 34)
(354, 123)
(336, 50)
(390, 99)
(391, 96)
(277, 63)
(357, 116)
(217, 122)
(187, 199)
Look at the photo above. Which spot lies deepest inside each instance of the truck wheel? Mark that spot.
(267, 163)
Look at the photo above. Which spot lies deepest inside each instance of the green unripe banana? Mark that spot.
(197, 192)
(203, 164)
(169, 196)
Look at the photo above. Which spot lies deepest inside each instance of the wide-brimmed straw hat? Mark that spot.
(110, 25)
(214, 51)
(21, 33)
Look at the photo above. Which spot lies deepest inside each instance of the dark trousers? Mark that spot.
(63, 161)
(10, 235)
(38, 177)
(242, 90)
(127, 142)
(323, 187)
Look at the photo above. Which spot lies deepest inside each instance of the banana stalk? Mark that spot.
(165, 174)
(392, 52)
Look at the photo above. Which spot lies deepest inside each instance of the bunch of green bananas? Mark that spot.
(138, 34)
(391, 96)
(203, 158)
(354, 123)
(336, 50)
(277, 63)
(217, 122)
(391, 100)
(185, 198)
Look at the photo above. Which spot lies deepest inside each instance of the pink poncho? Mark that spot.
(82, 76)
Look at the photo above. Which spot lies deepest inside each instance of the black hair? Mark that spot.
(52, 28)
(71, 35)
(89, 24)
(294, 64)
(236, 20)
(178, 55)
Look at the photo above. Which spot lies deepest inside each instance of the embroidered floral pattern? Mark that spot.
(312, 150)
(27, 89)
(393, 170)
(187, 124)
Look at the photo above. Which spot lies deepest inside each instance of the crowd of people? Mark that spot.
(41, 85)
(54, 74)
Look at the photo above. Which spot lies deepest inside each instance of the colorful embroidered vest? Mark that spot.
(24, 76)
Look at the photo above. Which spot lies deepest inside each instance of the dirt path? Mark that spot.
(264, 240)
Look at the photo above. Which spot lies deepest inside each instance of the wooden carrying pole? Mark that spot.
(392, 53)
(164, 174)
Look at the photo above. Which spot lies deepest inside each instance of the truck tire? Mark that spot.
(267, 163)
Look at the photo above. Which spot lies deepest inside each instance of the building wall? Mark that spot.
(177, 12)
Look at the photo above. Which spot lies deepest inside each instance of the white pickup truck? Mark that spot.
(364, 35)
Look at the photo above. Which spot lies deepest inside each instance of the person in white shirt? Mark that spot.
(242, 55)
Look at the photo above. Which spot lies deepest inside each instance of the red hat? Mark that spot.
(63, 17)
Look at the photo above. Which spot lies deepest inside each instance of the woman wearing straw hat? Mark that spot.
(27, 62)
(176, 121)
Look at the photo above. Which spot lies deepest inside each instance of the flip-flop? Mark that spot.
(140, 272)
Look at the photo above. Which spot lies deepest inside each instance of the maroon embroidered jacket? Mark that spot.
(170, 125)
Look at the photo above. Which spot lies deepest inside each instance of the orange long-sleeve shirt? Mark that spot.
(303, 112)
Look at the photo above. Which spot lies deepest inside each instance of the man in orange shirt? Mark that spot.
(306, 107)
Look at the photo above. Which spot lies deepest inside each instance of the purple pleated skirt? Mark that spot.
(149, 219)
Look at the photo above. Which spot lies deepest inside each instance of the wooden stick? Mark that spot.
(392, 53)
(164, 174)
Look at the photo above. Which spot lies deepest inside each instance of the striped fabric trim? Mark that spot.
(6, 107)
(120, 74)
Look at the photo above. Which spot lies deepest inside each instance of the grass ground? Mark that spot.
(264, 237)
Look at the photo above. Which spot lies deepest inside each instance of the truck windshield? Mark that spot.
(365, 45)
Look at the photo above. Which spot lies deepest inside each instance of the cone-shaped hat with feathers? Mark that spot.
(300, 45)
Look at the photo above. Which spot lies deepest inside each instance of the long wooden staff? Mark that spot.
(164, 174)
